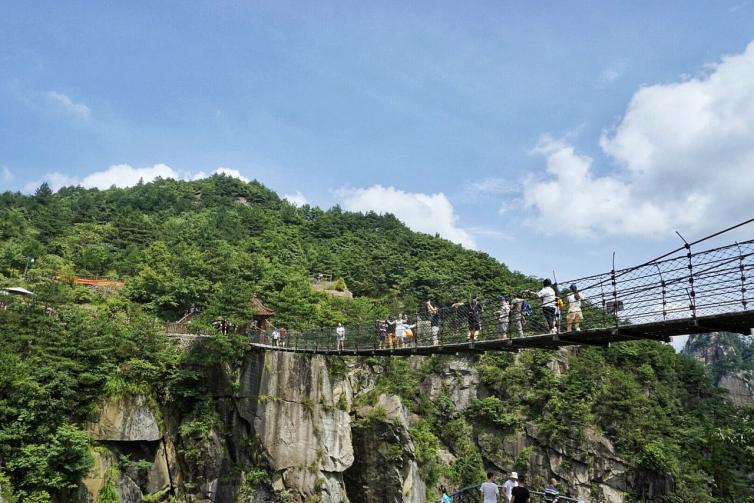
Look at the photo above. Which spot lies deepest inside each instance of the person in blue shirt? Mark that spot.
(551, 492)
(445, 497)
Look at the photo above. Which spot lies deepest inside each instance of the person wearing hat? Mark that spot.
(503, 313)
(520, 494)
(574, 316)
(509, 485)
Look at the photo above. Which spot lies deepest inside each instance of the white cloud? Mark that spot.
(428, 213)
(234, 173)
(62, 101)
(5, 174)
(685, 156)
(296, 199)
(574, 201)
(124, 175)
(55, 180)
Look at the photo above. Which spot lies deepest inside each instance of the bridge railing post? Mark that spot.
(664, 292)
(742, 270)
(615, 296)
(692, 291)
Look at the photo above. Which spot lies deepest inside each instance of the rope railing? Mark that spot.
(683, 287)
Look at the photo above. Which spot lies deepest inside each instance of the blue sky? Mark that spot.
(547, 134)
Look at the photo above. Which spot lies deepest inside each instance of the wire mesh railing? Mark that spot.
(688, 285)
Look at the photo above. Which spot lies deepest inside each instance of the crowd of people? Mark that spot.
(511, 314)
(513, 490)
(435, 325)
(279, 336)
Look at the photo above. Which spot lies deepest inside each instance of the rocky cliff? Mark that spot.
(297, 428)
(730, 360)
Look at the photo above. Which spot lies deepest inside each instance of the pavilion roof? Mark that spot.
(260, 309)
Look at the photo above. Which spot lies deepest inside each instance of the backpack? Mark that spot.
(561, 304)
(526, 308)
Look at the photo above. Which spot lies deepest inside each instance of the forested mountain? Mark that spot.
(210, 242)
(627, 423)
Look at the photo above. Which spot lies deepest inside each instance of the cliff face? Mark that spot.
(730, 360)
(289, 428)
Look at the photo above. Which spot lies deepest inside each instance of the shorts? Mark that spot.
(502, 326)
(575, 317)
(549, 313)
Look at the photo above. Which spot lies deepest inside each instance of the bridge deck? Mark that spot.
(739, 322)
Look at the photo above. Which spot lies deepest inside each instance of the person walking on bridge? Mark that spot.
(518, 316)
(549, 304)
(434, 321)
(382, 333)
(473, 316)
(340, 333)
(551, 492)
(574, 317)
(503, 313)
(391, 323)
(445, 497)
(489, 490)
(520, 494)
(509, 485)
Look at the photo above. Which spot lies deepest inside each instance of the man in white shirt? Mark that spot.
(489, 490)
(509, 485)
(549, 304)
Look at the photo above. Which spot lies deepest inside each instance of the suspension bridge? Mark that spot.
(682, 292)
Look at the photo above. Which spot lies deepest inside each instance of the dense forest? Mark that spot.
(213, 244)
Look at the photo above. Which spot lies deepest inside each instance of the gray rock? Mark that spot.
(128, 491)
(740, 388)
(458, 378)
(126, 418)
(158, 477)
(385, 468)
(302, 428)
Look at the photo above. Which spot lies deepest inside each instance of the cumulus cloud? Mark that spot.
(65, 103)
(575, 201)
(296, 199)
(5, 174)
(234, 173)
(684, 155)
(125, 175)
(428, 213)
